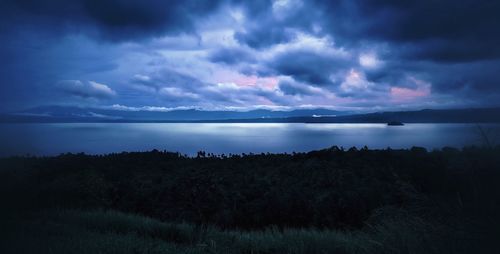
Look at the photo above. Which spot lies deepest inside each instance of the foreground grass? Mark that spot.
(73, 231)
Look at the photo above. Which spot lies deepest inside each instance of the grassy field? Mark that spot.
(327, 201)
(72, 231)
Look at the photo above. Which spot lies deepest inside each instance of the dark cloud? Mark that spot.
(268, 26)
(473, 78)
(444, 30)
(311, 67)
(231, 56)
(290, 87)
(478, 77)
(259, 38)
(114, 20)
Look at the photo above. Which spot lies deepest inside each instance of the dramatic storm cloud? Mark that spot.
(229, 54)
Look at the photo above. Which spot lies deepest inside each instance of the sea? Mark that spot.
(47, 139)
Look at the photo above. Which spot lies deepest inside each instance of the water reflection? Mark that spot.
(188, 138)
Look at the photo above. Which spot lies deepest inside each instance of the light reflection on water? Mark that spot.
(188, 138)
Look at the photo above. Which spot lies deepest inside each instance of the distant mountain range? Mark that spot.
(473, 115)
(78, 114)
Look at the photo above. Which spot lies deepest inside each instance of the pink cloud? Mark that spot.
(402, 94)
(243, 80)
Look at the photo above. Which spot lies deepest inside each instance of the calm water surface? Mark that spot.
(188, 138)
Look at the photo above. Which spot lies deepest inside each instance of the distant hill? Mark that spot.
(472, 115)
(77, 114)
(80, 114)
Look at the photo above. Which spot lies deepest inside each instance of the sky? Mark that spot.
(156, 55)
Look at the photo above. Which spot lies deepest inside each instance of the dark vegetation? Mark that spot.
(327, 201)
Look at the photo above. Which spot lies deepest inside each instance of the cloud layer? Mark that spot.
(352, 54)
